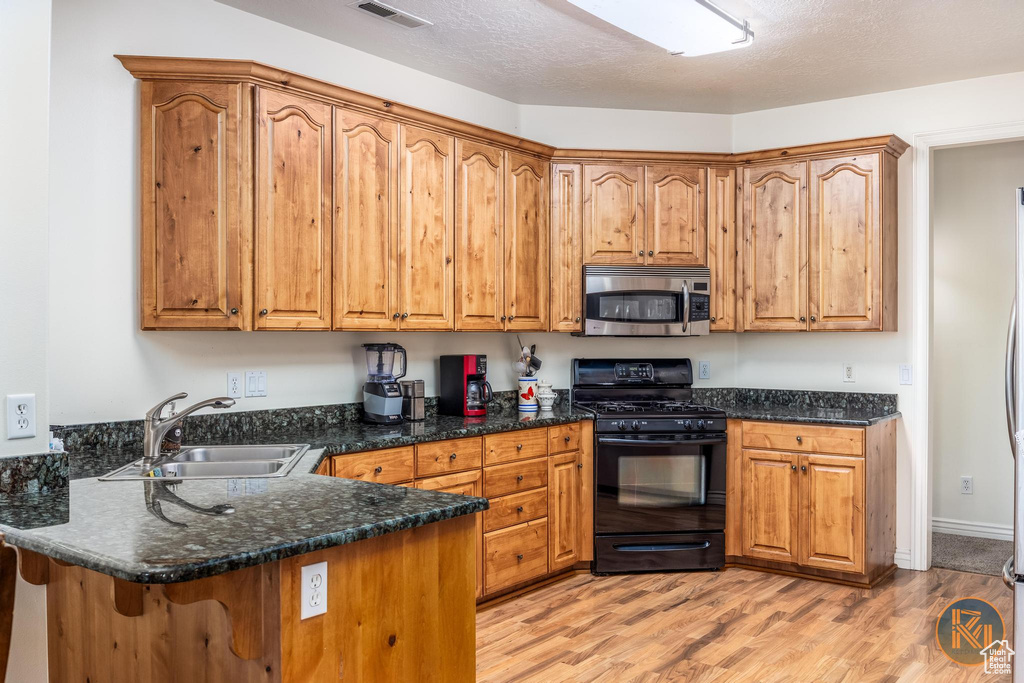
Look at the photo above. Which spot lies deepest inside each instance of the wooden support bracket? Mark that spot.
(241, 594)
(35, 568)
(128, 597)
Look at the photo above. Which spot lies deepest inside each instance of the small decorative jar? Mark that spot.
(527, 394)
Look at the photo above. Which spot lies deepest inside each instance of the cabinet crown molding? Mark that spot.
(234, 70)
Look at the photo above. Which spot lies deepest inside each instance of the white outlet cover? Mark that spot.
(314, 590)
(21, 416)
(255, 383)
(848, 375)
(704, 369)
(967, 486)
(234, 385)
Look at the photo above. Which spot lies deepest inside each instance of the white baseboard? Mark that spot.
(902, 558)
(1001, 532)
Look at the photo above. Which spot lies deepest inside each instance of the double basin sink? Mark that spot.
(216, 462)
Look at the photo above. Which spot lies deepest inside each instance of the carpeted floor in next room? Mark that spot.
(970, 554)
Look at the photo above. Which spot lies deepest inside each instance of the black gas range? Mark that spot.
(659, 466)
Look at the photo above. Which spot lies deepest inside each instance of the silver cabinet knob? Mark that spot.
(519, 558)
(568, 439)
(650, 253)
(378, 469)
(519, 447)
(577, 318)
(794, 467)
(234, 311)
(799, 439)
(712, 318)
(502, 318)
(519, 509)
(803, 467)
(813, 319)
(803, 319)
(519, 478)
(396, 316)
(404, 316)
(511, 318)
(453, 456)
(640, 253)
(263, 312)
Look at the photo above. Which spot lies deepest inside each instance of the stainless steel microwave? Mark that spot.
(649, 301)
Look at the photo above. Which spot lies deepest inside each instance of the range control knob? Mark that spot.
(621, 425)
(635, 426)
(687, 424)
(700, 424)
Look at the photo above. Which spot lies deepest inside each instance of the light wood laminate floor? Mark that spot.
(735, 625)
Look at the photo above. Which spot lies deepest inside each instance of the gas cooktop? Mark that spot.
(651, 408)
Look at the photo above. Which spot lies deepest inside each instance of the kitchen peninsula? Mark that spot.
(134, 572)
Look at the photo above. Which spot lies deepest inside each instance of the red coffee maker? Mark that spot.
(464, 386)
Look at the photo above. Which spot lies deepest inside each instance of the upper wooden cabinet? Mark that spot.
(527, 285)
(613, 214)
(366, 294)
(293, 212)
(566, 255)
(426, 229)
(479, 220)
(847, 277)
(775, 247)
(311, 206)
(722, 247)
(819, 244)
(196, 268)
(676, 233)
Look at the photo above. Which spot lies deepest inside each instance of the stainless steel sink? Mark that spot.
(236, 453)
(217, 462)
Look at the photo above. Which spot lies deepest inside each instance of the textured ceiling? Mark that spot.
(550, 52)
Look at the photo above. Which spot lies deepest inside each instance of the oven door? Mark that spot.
(659, 484)
(653, 302)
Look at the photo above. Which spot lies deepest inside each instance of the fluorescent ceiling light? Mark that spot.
(683, 27)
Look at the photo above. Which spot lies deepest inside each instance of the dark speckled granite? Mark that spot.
(33, 473)
(784, 405)
(107, 526)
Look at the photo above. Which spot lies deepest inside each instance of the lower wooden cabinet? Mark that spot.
(539, 483)
(825, 514)
(515, 555)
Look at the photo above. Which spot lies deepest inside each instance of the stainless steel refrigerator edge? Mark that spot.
(1015, 419)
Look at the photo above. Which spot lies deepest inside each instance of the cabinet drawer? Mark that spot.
(516, 509)
(386, 466)
(442, 457)
(803, 438)
(511, 446)
(516, 554)
(515, 477)
(564, 438)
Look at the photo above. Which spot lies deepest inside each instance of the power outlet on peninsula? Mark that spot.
(314, 590)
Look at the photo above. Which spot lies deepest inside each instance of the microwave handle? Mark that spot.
(686, 306)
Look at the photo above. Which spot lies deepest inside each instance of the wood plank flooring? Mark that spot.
(734, 625)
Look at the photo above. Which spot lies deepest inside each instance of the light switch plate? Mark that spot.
(314, 590)
(906, 373)
(255, 383)
(21, 416)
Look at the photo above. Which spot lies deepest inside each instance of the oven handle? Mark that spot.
(660, 547)
(663, 442)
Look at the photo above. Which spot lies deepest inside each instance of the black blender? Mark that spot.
(382, 396)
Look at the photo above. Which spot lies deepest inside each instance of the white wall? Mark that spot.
(814, 361)
(973, 247)
(103, 367)
(25, 42)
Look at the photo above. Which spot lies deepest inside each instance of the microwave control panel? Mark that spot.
(700, 307)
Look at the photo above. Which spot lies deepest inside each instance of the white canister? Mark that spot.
(528, 393)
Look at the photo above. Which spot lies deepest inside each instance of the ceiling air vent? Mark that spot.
(392, 14)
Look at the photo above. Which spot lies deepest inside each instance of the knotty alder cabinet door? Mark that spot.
(846, 278)
(426, 229)
(293, 212)
(775, 247)
(613, 214)
(832, 510)
(479, 237)
(463, 484)
(676, 233)
(366, 295)
(722, 247)
(566, 258)
(196, 270)
(564, 500)
(527, 285)
(770, 505)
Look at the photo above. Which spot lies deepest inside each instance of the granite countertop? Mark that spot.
(813, 407)
(833, 416)
(111, 527)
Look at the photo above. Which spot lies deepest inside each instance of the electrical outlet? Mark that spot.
(21, 416)
(255, 383)
(234, 385)
(704, 369)
(967, 486)
(314, 590)
(848, 372)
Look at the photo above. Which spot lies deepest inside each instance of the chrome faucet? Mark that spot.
(157, 426)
